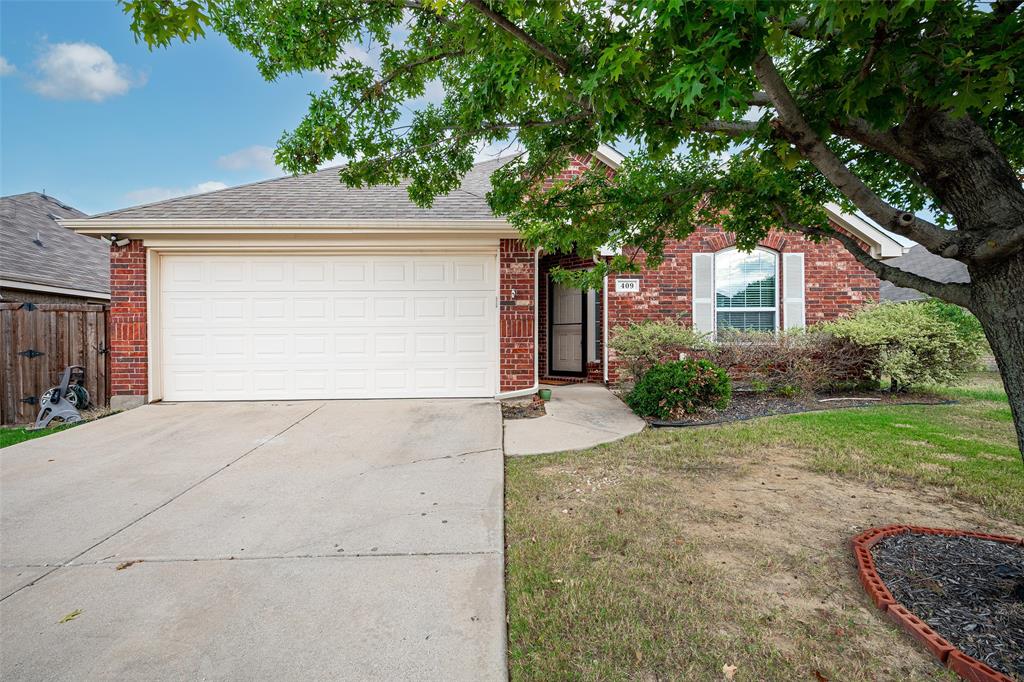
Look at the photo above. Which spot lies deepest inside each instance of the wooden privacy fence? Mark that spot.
(37, 341)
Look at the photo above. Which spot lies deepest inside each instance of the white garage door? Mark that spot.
(292, 327)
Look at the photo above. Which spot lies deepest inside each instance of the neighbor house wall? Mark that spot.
(127, 332)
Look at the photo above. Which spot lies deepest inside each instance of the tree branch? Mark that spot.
(733, 128)
(792, 126)
(860, 131)
(953, 292)
(535, 46)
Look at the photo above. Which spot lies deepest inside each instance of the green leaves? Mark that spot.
(652, 73)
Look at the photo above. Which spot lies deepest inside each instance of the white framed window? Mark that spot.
(747, 290)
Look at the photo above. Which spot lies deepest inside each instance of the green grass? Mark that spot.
(674, 553)
(19, 434)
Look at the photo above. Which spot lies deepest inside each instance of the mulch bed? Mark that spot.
(967, 589)
(750, 405)
(523, 408)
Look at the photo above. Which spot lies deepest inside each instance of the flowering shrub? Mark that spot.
(682, 386)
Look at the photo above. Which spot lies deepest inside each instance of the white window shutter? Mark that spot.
(704, 292)
(793, 290)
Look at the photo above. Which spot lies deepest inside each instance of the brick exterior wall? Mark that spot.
(834, 282)
(516, 315)
(127, 333)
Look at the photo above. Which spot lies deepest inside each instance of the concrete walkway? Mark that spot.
(342, 540)
(578, 416)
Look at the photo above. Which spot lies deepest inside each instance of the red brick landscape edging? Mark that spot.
(965, 666)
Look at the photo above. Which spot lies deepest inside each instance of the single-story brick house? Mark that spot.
(300, 287)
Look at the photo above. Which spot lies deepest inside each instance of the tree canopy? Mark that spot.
(746, 113)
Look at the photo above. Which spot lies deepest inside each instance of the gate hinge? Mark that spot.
(27, 306)
(31, 353)
(31, 400)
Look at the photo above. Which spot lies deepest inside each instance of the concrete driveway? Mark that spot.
(305, 540)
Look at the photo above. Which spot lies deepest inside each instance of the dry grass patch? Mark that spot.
(674, 553)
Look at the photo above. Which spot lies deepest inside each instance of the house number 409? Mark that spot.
(630, 286)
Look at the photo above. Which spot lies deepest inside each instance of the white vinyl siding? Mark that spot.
(251, 327)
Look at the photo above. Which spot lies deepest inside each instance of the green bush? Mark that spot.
(681, 386)
(641, 346)
(908, 344)
(967, 325)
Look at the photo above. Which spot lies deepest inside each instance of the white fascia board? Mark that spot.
(45, 288)
(263, 227)
(882, 245)
(609, 156)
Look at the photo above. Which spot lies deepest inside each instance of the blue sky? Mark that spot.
(100, 122)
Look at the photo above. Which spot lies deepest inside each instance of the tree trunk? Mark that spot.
(997, 299)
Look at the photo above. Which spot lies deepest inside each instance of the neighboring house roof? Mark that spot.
(921, 261)
(38, 254)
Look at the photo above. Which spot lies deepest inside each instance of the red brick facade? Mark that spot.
(127, 333)
(834, 282)
(517, 315)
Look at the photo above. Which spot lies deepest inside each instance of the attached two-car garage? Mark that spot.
(265, 327)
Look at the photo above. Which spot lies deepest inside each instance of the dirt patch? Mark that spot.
(523, 408)
(781, 535)
(749, 405)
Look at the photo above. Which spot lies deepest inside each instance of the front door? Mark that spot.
(567, 323)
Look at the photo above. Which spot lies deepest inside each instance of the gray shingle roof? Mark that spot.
(921, 261)
(60, 257)
(322, 196)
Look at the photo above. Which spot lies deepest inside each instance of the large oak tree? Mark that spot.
(896, 108)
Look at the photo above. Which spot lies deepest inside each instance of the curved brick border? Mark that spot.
(965, 666)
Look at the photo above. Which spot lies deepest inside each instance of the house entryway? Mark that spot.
(567, 332)
(570, 324)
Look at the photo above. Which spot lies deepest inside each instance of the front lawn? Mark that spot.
(674, 553)
(17, 434)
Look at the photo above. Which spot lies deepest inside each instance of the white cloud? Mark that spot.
(148, 195)
(6, 68)
(82, 71)
(257, 157)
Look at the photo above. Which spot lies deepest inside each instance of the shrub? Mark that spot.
(643, 345)
(681, 386)
(788, 362)
(967, 325)
(909, 344)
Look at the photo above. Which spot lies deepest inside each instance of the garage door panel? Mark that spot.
(255, 327)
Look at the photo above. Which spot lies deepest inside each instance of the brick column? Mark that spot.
(516, 316)
(127, 330)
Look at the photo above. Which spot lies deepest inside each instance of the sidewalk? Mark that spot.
(578, 416)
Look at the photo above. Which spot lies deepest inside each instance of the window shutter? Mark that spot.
(704, 292)
(793, 290)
